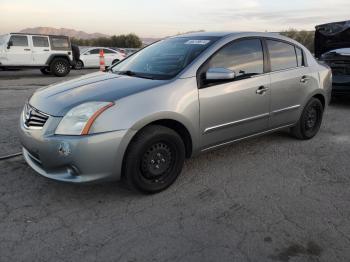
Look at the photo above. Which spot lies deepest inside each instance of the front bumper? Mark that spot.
(76, 159)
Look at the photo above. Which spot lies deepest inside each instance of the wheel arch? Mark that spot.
(181, 129)
(321, 98)
(54, 56)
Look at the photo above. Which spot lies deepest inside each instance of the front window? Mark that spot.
(19, 40)
(164, 59)
(108, 51)
(94, 52)
(244, 57)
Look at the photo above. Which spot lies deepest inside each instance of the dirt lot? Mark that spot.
(272, 198)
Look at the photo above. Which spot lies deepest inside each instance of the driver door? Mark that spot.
(19, 53)
(92, 58)
(235, 108)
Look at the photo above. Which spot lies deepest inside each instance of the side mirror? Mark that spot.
(219, 73)
(9, 44)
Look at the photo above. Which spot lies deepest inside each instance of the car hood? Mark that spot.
(58, 99)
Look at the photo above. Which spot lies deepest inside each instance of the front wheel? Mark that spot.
(154, 159)
(79, 65)
(60, 67)
(310, 121)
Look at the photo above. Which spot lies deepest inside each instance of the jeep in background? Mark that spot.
(332, 46)
(52, 54)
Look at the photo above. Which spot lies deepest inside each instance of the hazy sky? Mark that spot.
(153, 18)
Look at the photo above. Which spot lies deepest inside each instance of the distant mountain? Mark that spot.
(62, 31)
(76, 34)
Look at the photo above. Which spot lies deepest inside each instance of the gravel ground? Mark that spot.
(272, 198)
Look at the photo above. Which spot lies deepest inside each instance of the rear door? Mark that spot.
(19, 53)
(289, 80)
(240, 107)
(41, 49)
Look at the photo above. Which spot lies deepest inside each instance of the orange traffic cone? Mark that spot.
(102, 61)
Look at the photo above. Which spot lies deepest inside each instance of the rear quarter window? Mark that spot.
(59, 43)
(300, 57)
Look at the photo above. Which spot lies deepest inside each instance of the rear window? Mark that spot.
(19, 40)
(282, 55)
(40, 41)
(59, 43)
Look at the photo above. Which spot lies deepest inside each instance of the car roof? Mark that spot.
(219, 34)
(38, 34)
(209, 34)
(88, 48)
(229, 34)
(100, 47)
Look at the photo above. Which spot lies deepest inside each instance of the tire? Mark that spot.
(45, 71)
(310, 120)
(154, 159)
(79, 65)
(60, 67)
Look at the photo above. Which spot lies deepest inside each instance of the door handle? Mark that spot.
(46, 50)
(26, 49)
(304, 79)
(261, 90)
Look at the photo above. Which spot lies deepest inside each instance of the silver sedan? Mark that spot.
(179, 97)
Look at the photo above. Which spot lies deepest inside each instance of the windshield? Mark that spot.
(2, 39)
(164, 59)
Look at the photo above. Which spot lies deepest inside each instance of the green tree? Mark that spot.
(123, 41)
(306, 38)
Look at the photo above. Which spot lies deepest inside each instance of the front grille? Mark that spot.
(33, 118)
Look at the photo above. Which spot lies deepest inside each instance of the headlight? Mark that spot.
(79, 119)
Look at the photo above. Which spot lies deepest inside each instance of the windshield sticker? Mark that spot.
(197, 42)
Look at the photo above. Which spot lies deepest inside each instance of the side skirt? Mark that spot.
(246, 137)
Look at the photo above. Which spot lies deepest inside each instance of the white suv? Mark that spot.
(52, 54)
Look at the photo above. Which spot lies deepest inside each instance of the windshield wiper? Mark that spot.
(132, 73)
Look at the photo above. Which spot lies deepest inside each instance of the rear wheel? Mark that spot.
(45, 71)
(310, 121)
(60, 67)
(154, 159)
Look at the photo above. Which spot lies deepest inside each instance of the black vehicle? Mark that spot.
(332, 45)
